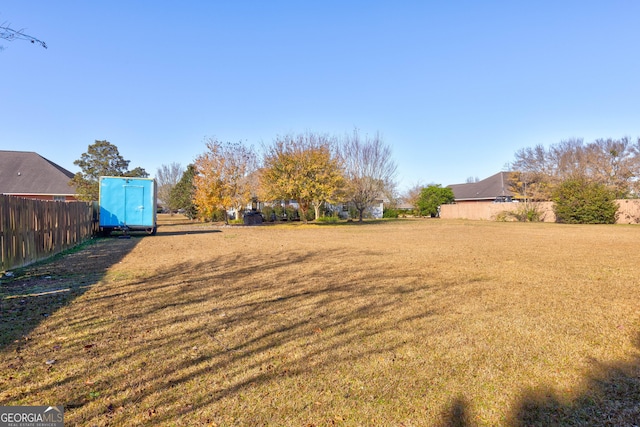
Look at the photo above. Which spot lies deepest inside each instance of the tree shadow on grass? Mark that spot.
(612, 398)
(457, 414)
(205, 334)
(35, 292)
(213, 323)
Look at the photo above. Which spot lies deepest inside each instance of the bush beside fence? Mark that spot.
(31, 230)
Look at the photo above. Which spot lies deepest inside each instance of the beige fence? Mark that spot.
(31, 230)
(628, 210)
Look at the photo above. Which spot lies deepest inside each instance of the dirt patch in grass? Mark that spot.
(415, 322)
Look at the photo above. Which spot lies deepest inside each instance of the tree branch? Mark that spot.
(10, 34)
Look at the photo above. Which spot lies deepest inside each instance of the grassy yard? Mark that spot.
(399, 323)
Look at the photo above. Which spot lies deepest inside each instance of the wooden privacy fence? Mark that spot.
(31, 230)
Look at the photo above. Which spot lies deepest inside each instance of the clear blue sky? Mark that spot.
(455, 88)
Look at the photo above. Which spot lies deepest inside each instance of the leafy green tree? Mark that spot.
(432, 197)
(101, 159)
(181, 196)
(581, 201)
(137, 172)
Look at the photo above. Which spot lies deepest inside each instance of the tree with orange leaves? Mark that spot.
(303, 168)
(223, 178)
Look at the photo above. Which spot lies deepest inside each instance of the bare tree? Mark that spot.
(9, 34)
(533, 173)
(412, 195)
(167, 176)
(614, 163)
(369, 169)
(568, 159)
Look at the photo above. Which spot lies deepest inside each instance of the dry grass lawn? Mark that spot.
(399, 323)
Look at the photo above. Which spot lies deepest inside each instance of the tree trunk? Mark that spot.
(303, 207)
(303, 213)
(316, 208)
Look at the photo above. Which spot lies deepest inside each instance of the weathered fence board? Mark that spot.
(31, 230)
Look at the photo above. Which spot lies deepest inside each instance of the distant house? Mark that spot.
(27, 174)
(492, 189)
(377, 208)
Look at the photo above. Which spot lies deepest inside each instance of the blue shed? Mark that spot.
(128, 204)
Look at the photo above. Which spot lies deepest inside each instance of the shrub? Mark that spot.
(524, 212)
(279, 211)
(390, 213)
(579, 201)
(292, 213)
(269, 213)
(311, 214)
(217, 215)
(353, 212)
(328, 219)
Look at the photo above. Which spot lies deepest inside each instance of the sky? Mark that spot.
(455, 88)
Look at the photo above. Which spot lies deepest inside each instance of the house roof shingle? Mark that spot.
(26, 172)
(487, 189)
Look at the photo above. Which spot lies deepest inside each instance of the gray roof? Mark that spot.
(487, 189)
(26, 172)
